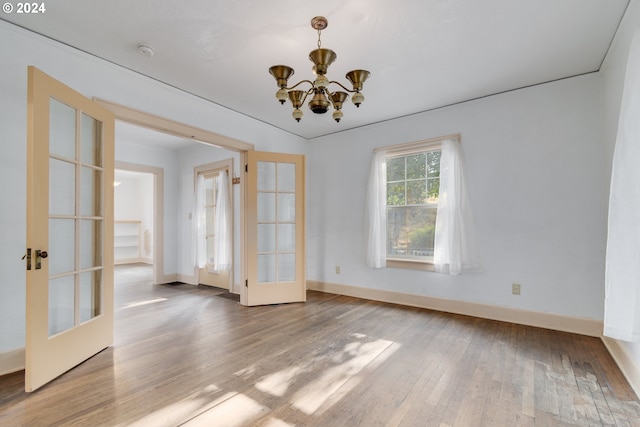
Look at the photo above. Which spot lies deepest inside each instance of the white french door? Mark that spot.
(69, 229)
(275, 225)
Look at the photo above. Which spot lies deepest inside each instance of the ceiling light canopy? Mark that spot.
(321, 97)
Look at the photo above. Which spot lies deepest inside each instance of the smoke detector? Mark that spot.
(146, 50)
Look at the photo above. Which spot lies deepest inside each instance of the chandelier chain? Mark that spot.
(319, 43)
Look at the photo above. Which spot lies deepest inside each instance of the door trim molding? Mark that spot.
(172, 127)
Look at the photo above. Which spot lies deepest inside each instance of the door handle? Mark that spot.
(39, 256)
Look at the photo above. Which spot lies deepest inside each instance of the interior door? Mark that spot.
(275, 228)
(209, 275)
(69, 274)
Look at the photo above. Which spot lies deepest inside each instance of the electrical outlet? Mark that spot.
(515, 288)
(337, 269)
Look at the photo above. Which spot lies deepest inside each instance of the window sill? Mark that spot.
(410, 264)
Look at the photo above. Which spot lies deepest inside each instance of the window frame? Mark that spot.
(423, 146)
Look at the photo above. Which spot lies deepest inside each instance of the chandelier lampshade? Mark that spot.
(321, 98)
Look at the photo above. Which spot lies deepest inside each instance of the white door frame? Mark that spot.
(158, 214)
(182, 130)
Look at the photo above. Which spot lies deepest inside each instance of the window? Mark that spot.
(413, 186)
(418, 211)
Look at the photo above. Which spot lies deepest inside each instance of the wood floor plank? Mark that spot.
(184, 356)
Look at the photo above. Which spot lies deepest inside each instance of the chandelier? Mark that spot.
(319, 90)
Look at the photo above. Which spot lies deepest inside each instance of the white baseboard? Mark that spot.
(11, 361)
(184, 278)
(625, 362)
(556, 322)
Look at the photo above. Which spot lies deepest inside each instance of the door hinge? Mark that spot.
(28, 257)
(246, 283)
(246, 168)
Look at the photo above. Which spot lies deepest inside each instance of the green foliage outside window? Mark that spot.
(413, 187)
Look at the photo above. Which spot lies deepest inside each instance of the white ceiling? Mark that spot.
(422, 54)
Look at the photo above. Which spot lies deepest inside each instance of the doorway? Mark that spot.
(214, 224)
(138, 216)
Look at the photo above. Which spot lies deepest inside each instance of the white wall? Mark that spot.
(91, 77)
(534, 169)
(613, 73)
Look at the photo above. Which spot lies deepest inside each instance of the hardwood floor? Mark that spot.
(184, 356)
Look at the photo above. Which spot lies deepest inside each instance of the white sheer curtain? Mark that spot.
(376, 212)
(622, 271)
(222, 234)
(455, 248)
(199, 223)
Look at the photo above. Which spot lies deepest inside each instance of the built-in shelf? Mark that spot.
(126, 241)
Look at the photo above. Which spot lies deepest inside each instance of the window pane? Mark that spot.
(395, 169)
(433, 163)
(395, 194)
(209, 191)
(433, 190)
(416, 192)
(416, 166)
(411, 231)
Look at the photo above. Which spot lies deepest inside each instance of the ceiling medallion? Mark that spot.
(319, 91)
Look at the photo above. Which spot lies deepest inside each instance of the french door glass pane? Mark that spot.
(276, 239)
(62, 188)
(90, 192)
(266, 207)
(91, 138)
(75, 218)
(61, 304)
(286, 177)
(61, 246)
(90, 243)
(287, 267)
(209, 221)
(266, 176)
(90, 294)
(62, 129)
(266, 237)
(286, 207)
(286, 238)
(266, 268)
(209, 192)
